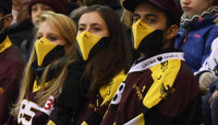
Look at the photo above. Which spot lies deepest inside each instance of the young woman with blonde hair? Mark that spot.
(47, 66)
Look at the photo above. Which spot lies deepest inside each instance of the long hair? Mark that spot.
(104, 65)
(67, 29)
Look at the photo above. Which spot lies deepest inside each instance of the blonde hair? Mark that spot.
(67, 29)
(126, 18)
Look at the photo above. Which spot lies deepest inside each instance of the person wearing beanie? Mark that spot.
(12, 63)
(37, 7)
(159, 89)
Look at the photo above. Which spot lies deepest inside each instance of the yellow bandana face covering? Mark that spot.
(86, 42)
(43, 47)
(140, 31)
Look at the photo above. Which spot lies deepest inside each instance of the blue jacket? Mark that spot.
(213, 86)
(196, 43)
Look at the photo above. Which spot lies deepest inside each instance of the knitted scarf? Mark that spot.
(188, 22)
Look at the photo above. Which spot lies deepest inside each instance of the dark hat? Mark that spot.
(170, 6)
(59, 6)
(92, 2)
(6, 6)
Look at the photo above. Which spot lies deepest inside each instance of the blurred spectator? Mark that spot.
(114, 4)
(74, 4)
(21, 29)
(210, 105)
(11, 63)
(37, 7)
(208, 84)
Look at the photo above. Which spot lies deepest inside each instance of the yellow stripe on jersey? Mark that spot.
(6, 44)
(51, 123)
(107, 91)
(138, 120)
(164, 75)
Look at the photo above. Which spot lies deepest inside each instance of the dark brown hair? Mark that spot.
(104, 65)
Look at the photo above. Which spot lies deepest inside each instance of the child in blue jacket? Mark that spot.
(197, 30)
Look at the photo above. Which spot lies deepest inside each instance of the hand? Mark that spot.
(215, 94)
(205, 80)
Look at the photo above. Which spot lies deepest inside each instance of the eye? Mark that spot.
(38, 37)
(97, 29)
(134, 20)
(52, 38)
(46, 9)
(34, 9)
(151, 20)
(81, 29)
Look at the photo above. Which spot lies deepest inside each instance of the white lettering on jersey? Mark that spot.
(26, 112)
(49, 106)
(118, 95)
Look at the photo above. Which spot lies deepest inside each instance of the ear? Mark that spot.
(172, 31)
(8, 20)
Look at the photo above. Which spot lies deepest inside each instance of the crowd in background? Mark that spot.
(108, 62)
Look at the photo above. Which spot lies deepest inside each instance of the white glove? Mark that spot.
(205, 80)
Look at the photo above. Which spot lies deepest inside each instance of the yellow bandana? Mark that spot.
(140, 31)
(86, 42)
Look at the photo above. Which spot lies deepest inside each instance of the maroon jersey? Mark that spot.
(157, 91)
(32, 114)
(12, 65)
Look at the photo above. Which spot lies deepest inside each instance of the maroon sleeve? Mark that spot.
(11, 68)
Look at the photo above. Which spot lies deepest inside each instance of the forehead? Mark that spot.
(46, 27)
(91, 17)
(148, 8)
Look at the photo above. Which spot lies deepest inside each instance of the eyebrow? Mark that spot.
(146, 15)
(93, 24)
(149, 15)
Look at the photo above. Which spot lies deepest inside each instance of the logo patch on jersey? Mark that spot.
(164, 66)
(1, 90)
(165, 91)
(138, 91)
(159, 58)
